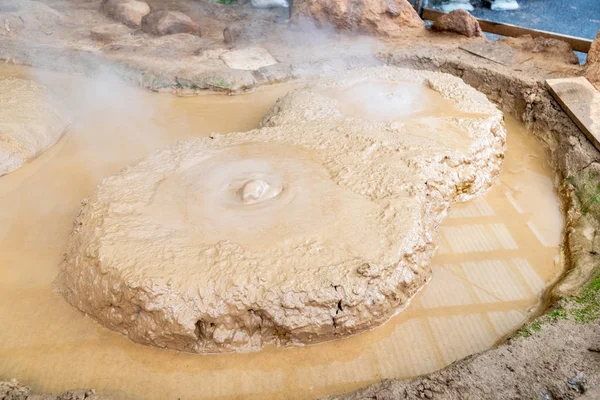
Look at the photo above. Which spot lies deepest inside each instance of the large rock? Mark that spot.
(458, 21)
(593, 63)
(542, 48)
(164, 22)
(248, 58)
(232, 33)
(109, 32)
(378, 17)
(128, 12)
(30, 122)
(315, 227)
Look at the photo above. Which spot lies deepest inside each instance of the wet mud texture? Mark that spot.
(30, 122)
(294, 269)
(517, 87)
(560, 361)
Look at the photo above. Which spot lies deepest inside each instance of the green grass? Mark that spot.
(528, 330)
(226, 2)
(583, 309)
(558, 313)
(586, 308)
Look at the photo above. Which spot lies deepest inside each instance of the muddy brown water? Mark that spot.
(497, 255)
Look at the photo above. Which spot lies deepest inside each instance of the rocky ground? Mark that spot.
(259, 46)
(556, 356)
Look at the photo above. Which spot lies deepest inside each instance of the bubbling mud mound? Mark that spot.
(292, 234)
(418, 111)
(384, 94)
(29, 122)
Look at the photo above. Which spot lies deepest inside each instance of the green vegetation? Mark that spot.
(220, 83)
(159, 83)
(586, 185)
(186, 85)
(582, 309)
(558, 313)
(587, 191)
(586, 308)
(535, 326)
(226, 2)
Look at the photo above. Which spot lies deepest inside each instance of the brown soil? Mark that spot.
(560, 361)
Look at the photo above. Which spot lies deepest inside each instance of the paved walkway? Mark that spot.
(571, 17)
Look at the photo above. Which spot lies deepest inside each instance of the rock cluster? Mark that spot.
(316, 226)
(136, 14)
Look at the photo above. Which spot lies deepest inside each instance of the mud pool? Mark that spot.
(497, 255)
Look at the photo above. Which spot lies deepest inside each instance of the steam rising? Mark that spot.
(126, 118)
(378, 100)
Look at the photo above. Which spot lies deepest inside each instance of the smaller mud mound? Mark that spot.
(306, 231)
(30, 122)
(421, 113)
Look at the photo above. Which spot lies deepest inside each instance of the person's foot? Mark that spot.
(503, 5)
(451, 5)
